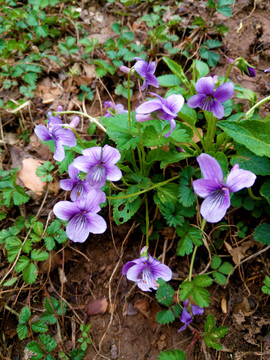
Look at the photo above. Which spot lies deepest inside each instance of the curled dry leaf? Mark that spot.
(28, 175)
(96, 307)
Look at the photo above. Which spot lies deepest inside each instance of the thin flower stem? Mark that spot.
(86, 115)
(254, 197)
(259, 104)
(144, 191)
(146, 222)
(230, 68)
(129, 107)
(211, 130)
(194, 252)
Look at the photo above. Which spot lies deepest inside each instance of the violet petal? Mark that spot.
(64, 210)
(224, 92)
(210, 168)
(214, 207)
(239, 179)
(204, 187)
(205, 85)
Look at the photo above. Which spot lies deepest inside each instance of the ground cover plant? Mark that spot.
(154, 207)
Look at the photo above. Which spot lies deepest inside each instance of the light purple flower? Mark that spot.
(213, 189)
(186, 317)
(208, 98)
(166, 109)
(55, 131)
(113, 109)
(99, 164)
(267, 70)
(82, 216)
(146, 71)
(145, 271)
(79, 188)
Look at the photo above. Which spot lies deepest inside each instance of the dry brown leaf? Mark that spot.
(90, 70)
(238, 253)
(28, 175)
(48, 91)
(148, 310)
(96, 307)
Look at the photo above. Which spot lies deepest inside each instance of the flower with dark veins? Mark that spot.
(99, 165)
(215, 192)
(209, 98)
(145, 271)
(82, 216)
(165, 109)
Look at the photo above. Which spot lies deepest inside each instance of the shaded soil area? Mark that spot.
(123, 319)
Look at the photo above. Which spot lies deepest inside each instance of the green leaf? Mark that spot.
(10, 282)
(49, 242)
(225, 2)
(169, 80)
(123, 209)
(202, 281)
(247, 160)
(262, 233)
(48, 318)
(212, 333)
(54, 227)
(24, 315)
(165, 317)
(22, 331)
(226, 268)
(151, 137)
(30, 78)
(38, 228)
(219, 278)
(189, 235)
(30, 273)
(19, 196)
(172, 355)
(266, 287)
(184, 246)
(177, 70)
(168, 193)
(39, 255)
(253, 134)
(51, 304)
(172, 214)
(165, 294)
(22, 263)
(48, 342)
(39, 327)
(35, 348)
(200, 295)
(188, 115)
(216, 262)
(201, 68)
(265, 190)
(186, 195)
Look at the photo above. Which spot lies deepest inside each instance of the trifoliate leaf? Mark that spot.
(212, 333)
(188, 236)
(19, 196)
(35, 348)
(196, 289)
(48, 342)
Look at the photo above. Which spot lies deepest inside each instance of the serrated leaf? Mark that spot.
(253, 134)
(172, 355)
(202, 281)
(39, 255)
(10, 282)
(186, 194)
(184, 246)
(225, 10)
(219, 278)
(262, 233)
(22, 263)
(24, 315)
(57, 306)
(200, 295)
(53, 227)
(48, 342)
(212, 343)
(165, 294)
(35, 348)
(49, 242)
(22, 331)
(190, 234)
(38, 228)
(19, 196)
(39, 327)
(177, 310)
(226, 268)
(212, 333)
(172, 214)
(165, 317)
(48, 318)
(216, 262)
(30, 273)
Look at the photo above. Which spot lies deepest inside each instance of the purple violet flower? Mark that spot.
(55, 131)
(82, 216)
(208, 98)
(186, 318)
(145, 271)
(99, 164)
(166, 109)
(267, 70)
(79, 188)
(146, 71)
(113, 109)
(250, 71)
(213, 189)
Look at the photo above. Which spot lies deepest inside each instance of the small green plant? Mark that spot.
(43, 171)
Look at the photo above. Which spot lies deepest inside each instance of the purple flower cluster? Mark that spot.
(98, 164)
(57, 132)
(215, 192)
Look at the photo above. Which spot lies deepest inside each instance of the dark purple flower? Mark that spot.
(146, 71)
(79, 188)
(267, 70)
(166, 109)
(208, 98)
(55, 131)
(213, 189)
(82, 216)
(186, 318)
(113, 109)
(250, 71)
(99, 164)
(145, 271)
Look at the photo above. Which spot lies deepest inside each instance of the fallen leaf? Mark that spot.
(28, 175)
(96, 307)
(148, 310)
(238, 253)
